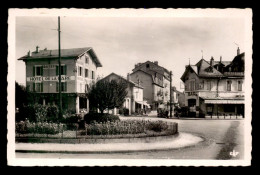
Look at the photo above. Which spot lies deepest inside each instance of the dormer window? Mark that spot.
(147, 65)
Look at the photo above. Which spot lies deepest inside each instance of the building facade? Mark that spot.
(134, 99)
(156, 82)
(215, 88)
(78, 71)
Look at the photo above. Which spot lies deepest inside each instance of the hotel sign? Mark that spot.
(52, 78)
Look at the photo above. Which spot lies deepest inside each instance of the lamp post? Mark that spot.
(170, 93)
(60, 100)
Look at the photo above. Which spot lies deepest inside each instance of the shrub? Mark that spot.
(98, 117)
(157, 126)
(52, 113)
(126, 111)
(38, 113)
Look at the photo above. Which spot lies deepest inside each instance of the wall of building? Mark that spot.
(146, 82)
(50, 86)
(83, 80)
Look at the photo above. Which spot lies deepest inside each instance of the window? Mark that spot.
(38, 87)
(86, 59)
(208, 85)
(86, 73)
(80, 71)
(147, 65)
(229, 82)
(63, 86)
(201, 85)
(63, 70)
(37, 70)
(93, 75)
(239, 84)
(192, 85)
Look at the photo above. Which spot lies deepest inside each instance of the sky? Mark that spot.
(122, 42)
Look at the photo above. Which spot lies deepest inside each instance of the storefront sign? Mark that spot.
(49, 66)
(53, 78)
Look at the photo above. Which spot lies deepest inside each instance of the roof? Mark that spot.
(204, 69)
(65, 53)
(152, 76)
(129, 81)
(164, 69)
(225, 63)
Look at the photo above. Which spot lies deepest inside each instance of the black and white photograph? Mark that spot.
(129, 87)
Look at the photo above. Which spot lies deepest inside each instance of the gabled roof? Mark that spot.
(125, 79)
(203, 66)
(65, 53)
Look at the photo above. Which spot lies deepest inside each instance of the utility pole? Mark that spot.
(60, 100)
(170, 93)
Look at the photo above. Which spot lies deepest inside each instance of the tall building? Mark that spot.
(156, 83)
(215, 87)
(78, 71)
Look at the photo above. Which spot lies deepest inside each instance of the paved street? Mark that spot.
(221, 138)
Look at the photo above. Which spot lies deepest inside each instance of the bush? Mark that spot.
(52, 113)
(125, 111)
(157, 126)
(98, 117)
(38, 113)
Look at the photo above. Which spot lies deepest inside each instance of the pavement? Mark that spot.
(164, 143)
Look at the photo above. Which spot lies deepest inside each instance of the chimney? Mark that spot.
(128, 76)
(29, 53)
(220, 60)
(238, 51)
(156, 62)
(212, 61)
(37, 49)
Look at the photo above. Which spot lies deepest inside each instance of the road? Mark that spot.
(221, 138)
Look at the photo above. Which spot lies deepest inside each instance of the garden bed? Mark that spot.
(110, 130)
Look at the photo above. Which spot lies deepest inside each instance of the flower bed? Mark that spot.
(125, 127)
(25, 127)
(119, 129)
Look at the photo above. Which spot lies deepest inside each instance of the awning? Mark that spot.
(224, 101)
(143, 103)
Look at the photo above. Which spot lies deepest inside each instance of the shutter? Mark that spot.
(33, 70)
(57, 70)
(41, 86)
(65, 88)
(65, 69)
(57, 86)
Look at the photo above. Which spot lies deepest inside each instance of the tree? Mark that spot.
(20, 96)
(107, 94)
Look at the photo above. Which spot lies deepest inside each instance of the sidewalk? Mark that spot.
(180, 141)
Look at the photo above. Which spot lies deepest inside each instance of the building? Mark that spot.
(78, 71)
(178, 98)
(134, 99)
(215, 87)
(156, 82)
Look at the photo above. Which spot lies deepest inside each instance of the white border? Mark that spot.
(245, 14)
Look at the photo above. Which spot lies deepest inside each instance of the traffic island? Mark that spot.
(176, 141)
